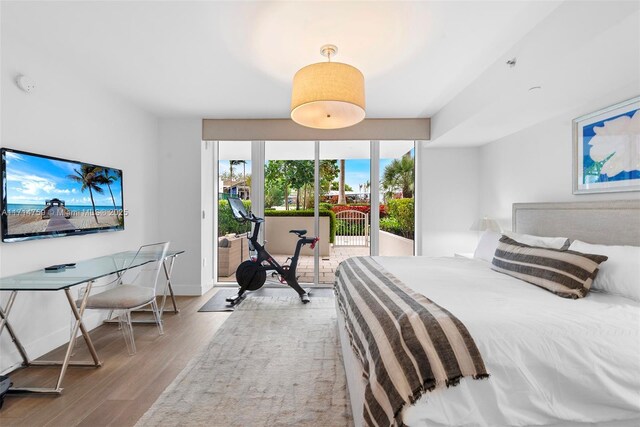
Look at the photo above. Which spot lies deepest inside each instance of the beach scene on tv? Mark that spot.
(48, 195)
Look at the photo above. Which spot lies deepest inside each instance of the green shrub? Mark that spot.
(227, 223)
(309, 212)
(273, 196)
(401, 217)
(325, 206)
(390, 225)
(350, 228)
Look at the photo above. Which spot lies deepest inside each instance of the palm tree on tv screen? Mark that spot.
(110, 176)
(90, 177)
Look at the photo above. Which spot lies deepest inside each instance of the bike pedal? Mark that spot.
(235, 299)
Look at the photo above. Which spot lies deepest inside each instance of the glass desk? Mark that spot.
(85, 272)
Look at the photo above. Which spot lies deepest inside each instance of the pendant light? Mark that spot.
(328, 95)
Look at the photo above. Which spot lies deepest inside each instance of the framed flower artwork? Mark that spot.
(606, 149)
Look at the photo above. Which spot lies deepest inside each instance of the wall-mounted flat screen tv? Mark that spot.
(45, 197)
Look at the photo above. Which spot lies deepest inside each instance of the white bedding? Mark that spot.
(553, 361)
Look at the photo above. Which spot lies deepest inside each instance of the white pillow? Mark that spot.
(540, 242)
(620, 274)
(487, 245)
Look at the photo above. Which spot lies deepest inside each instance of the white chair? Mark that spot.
(137, 288)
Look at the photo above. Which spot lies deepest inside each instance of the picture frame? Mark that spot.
(606, 149)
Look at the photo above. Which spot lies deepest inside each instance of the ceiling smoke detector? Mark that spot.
(25, 83)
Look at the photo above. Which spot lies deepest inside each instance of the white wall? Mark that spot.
(180, 207)
(449, 199)
(70, 117)
(534, 165)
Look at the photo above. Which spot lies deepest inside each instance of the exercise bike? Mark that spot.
(252, 274)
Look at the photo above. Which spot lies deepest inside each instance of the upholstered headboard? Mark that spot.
(615, 222)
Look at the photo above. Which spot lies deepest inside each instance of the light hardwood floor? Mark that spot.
(119, 392)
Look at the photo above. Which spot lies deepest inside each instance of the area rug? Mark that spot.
(274, 362)
(218, 302)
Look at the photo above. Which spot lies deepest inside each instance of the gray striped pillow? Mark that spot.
(568, 274)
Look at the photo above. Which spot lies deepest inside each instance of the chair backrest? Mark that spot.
(147, 274)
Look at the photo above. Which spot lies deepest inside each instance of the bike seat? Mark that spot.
(299, 233)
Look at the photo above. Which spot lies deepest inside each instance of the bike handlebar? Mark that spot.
(251, 217)
(313, 244)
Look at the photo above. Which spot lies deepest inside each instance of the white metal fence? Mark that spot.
(352, 228)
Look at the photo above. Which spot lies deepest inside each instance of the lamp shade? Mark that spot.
(328, 95)
(483, 224)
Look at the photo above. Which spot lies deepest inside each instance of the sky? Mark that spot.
(31, 180)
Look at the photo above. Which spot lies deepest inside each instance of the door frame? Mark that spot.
(209, 192)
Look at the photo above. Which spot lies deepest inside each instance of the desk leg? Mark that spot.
(4, 322)
(85, 334)
(167, 275)
(78, 325)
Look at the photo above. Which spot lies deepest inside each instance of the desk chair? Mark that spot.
(137, 288)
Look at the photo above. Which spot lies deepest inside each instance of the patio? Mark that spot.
(328, 266)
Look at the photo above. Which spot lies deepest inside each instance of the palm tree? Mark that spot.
(110, 176)
(244, 171)
(233, 163)
(399, 175)
(90, 177)
(341, 196)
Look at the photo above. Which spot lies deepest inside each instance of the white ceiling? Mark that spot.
(584, 56)
(236, 59)
(439, 59)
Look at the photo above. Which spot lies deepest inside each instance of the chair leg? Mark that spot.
(127, 331)
(156, 315)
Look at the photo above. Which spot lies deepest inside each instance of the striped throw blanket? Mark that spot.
(407, 344)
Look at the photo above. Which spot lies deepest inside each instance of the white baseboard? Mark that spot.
(188, 289)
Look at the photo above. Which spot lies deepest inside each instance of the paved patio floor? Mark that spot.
(328, 265)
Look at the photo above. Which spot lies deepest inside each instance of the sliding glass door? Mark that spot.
(358, 197)
(345, 182)
(396, 234)
(233, 180)
(289, 201)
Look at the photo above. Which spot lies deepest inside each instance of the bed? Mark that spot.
(586, 372)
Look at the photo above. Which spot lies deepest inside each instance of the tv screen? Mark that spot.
(49, 197)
